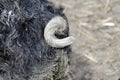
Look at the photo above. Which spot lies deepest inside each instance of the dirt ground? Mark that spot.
(96, 26)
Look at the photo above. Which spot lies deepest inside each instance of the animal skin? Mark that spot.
(26, 52)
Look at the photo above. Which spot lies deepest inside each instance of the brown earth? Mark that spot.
(96, 26)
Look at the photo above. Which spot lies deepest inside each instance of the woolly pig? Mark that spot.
(34, 40)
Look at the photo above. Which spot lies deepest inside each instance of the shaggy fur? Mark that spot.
(24, 54)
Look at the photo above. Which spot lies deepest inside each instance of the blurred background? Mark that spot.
(96, 26)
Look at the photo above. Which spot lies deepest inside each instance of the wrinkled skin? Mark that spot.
(24, 54)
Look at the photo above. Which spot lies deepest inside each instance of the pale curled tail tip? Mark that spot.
(72, 40)
(54, 25)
